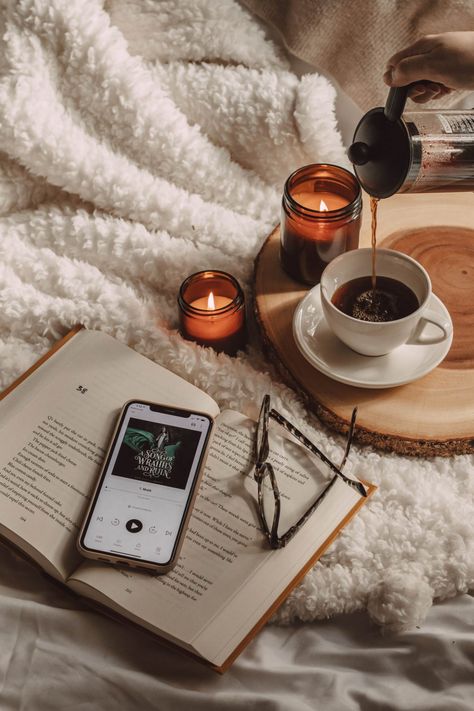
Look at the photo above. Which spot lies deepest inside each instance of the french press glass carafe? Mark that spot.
(421, 151)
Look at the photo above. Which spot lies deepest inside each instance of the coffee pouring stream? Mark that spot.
(415, 151)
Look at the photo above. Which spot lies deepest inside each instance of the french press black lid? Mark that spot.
(381, 151)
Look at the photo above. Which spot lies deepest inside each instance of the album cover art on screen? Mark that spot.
(156, 453)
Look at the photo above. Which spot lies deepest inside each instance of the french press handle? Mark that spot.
(395, 104)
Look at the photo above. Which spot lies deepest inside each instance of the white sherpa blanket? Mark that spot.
(143, 141)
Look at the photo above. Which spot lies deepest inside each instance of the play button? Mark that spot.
(134, 525)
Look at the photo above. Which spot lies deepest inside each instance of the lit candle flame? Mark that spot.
(323, 207)
(211, 305)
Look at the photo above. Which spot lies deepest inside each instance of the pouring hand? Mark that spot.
(434, 65)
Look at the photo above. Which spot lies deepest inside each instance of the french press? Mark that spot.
(421, 151)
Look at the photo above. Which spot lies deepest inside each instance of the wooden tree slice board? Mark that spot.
(432, 416)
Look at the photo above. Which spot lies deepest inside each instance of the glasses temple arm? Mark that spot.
(350, 435)
(357, 485)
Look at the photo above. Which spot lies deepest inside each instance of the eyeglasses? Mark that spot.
(269, 499)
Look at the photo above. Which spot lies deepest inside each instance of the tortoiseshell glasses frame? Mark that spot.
(264, 469)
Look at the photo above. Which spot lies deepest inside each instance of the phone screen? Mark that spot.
(147, 483)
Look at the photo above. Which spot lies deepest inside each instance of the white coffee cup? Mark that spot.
(378, 338)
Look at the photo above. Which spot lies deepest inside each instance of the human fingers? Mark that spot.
(421, 46)
(425, 96)
(414, 69)
(446, 58)
(427, 91)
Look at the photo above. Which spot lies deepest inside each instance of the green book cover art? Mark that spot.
(157, 453)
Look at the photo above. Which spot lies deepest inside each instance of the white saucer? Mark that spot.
(330, 356)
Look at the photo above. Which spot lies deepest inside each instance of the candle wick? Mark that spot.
(211, 305)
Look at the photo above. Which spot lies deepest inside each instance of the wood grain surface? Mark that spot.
(432, 416)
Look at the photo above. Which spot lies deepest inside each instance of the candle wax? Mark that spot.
(212, 311)
(309, 243)
(219, 303)
(312, 200)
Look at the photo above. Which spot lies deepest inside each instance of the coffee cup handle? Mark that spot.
(429, 316)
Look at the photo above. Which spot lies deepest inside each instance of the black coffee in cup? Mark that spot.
(389, 301)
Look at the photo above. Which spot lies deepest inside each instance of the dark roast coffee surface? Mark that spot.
(390, 301)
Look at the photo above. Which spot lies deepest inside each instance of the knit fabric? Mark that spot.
(352, 41)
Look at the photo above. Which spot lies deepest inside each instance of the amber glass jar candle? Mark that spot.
(320, 219)
(212, 311)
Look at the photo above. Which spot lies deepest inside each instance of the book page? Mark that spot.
(54, 430)
(227, 576)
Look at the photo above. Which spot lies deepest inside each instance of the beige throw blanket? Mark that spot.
(351, 41)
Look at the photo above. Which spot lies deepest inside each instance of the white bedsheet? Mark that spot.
(58, 654)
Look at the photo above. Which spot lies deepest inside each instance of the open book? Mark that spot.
(55, 422)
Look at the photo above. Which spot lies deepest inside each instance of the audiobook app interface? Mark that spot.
(147, 483)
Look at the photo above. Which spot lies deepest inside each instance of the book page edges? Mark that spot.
(27, 552)
(96, 598)
(371, 488)
(56, 347)
(22, 547)
(141, 625)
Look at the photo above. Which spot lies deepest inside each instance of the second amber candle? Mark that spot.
(320, 219)
(212, 311)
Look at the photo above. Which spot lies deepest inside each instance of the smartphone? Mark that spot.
(147, 486)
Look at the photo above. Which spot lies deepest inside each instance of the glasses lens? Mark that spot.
(300, 477)
(285, 457)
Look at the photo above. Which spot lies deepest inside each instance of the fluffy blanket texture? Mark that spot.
(143, 141)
